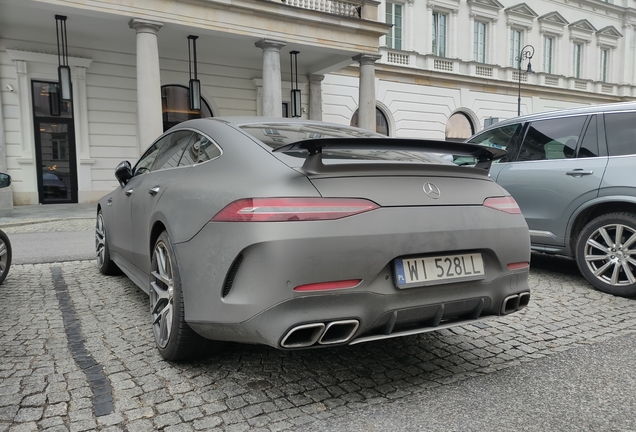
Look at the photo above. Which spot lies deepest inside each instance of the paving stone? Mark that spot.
(251, 387)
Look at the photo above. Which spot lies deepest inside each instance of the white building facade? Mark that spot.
(446, 57)
(418, 68)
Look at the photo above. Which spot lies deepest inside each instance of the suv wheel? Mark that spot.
(606, 253)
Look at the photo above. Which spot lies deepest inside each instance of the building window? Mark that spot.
(381, 122)
(515, 47)
(578, 54)
(439, 34)
(394, 17)
(548, 53)
(459, 127)
(175, 106)
(480, 42)
(604, 64)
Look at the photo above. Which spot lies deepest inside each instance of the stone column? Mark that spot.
(626, 61)
(315, 97)
(272, 93)
(149, 116)
(366, 100)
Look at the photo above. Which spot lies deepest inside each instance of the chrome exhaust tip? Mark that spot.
(339, 332)
(303, 335)
(510, 304)
(524, 299)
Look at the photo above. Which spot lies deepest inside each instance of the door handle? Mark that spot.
(579, 173)
(129, 192)
(154, 191)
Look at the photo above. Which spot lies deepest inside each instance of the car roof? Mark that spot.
(591, 109)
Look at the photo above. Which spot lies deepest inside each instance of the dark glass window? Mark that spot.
(169, 155)
(552, 139)
(620, 129)
(500, 137)
(201, 149)
(163, 151)
(589, 146)
(381, 123)
(46, 100)
(175, 105)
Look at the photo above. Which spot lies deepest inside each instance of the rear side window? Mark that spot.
(499, 138)
(620, 129)
(201, 149)
(552, 139)
(589, 146)
(169, 157)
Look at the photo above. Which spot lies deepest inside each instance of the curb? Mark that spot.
(39, 221)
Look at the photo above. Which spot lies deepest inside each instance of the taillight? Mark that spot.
(505, 204)
(292, 209)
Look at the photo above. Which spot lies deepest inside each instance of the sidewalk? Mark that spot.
(23, 215)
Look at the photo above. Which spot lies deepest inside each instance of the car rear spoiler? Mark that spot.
(314, 147)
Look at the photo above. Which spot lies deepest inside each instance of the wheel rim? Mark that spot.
(161, 294)
(610, 254)
(4, 256)
(100, 240)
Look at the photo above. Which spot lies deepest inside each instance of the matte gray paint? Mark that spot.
(278, 256)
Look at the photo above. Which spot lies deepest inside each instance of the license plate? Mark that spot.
(432, 270)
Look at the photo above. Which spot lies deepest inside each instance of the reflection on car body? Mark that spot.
(300, 234)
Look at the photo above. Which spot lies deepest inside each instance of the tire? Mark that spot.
(173, 337)
(5, 256)
(104, 263)
(606, 253)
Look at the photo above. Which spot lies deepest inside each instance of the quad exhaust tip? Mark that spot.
(515, 302)
(306, 335)
(339, 332)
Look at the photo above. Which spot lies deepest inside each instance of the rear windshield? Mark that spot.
(280, 134)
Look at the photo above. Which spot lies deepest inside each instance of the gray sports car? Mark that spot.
(299, 234)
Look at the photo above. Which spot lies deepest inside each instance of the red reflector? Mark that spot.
(505, 204)
(292, 209)
(324, 286)
(518, 266)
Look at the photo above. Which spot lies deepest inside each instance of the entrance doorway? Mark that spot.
(54, 145)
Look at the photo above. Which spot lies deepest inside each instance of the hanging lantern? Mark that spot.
(194, 87)
(295, 92)
(63, 69)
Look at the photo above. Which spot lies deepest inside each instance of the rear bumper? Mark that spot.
(378, 316)
(261, 306)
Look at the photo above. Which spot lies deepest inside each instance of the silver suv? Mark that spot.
(573, 174)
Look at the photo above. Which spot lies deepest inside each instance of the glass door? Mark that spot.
(54, 145)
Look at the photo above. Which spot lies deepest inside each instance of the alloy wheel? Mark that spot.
(161, 294)
(610, 254)
(100, 240)
(4, 256)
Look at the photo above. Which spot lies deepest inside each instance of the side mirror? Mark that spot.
(5, 180)
(123, 173)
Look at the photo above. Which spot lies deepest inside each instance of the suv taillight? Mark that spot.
(505, 204)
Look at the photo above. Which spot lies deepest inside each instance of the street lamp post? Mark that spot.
(526, 53)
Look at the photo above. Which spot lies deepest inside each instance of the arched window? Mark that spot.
(381, 123)
(459, 127)
(175, 106)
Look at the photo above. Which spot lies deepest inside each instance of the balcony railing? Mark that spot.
(348, 8)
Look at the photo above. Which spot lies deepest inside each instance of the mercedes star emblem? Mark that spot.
(431, 190)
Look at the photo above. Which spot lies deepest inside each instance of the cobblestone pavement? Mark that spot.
(247, 387)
